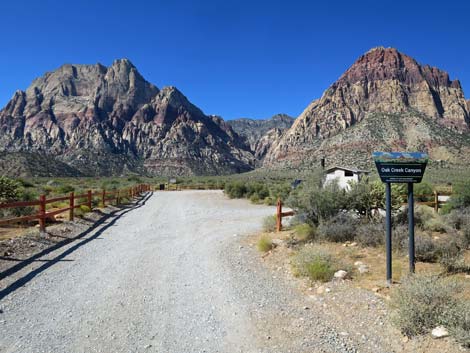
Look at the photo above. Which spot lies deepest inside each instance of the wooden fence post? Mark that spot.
(436, 201)
(89, 199)
(42, 213)
(279, 215)
(71, 205)
(117, 197)
(103, 198)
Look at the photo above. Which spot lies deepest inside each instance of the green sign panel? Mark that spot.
(400, 167)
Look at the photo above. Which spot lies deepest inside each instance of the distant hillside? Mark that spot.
(261, 134)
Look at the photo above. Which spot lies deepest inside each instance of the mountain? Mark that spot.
(385, 100)
(101, 120)
(261, 134)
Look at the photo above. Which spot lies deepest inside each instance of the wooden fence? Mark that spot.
(434, 202)
(280, 214)
(75, 201)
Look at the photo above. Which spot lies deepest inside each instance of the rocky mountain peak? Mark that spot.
(383, 81)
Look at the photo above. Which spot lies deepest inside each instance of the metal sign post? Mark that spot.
(400, 167)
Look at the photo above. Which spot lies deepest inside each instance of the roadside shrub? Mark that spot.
(370, 234)
(318, 203)
(269, 223)
(85, 208)
(458, 322)
(424, 302)
(338, 229)
(264, 244)
(315, 263)
(304, 232)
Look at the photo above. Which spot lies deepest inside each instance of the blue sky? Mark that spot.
(231, 58)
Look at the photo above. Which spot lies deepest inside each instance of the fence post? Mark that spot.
(436, 201)
(42, 213)
(279, 215)
(89, 199)
(103, 198)
(71, 205)
(117, 197)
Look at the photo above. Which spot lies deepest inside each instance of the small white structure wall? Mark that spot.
(341, 178)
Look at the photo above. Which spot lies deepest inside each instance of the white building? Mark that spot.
(344, 175)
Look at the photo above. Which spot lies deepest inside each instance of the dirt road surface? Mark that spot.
(167, 276)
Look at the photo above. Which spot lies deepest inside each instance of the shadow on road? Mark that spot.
(115, 215)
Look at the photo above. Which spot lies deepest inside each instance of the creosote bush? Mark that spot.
(315, 263)
(424, 302)
(264, 244)
(269, 223)
(304, 232)
(370, 234)
(339, 228)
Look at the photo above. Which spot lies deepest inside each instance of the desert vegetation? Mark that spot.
(334, 228)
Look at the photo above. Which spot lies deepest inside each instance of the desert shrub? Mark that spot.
(65, 189)
(458, 322)
(304, 232)
(422, 189)
(318, 203)
(426, 249)
(264, 244)
(364, 197)
(370, 234)
(254, 198)
(269, 223)
(9, 189)
(315, 263)
(85, 208)
(25, 183)
(399, 237)
(458, 218)
(452, 254)
(339, 228)
(424, 302)
(236, 189)
(460, 195)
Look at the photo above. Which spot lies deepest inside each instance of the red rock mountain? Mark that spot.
(392, 102)
(108, 121)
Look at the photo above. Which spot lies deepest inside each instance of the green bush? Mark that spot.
(65, 189)
(85, 208)
(304, 232)
(424, 302)
(264, 244)
(422, 189)
(9, 189)
(269, 223)
(315, 263)
(460, 195)
(339, 228)
(318, 203)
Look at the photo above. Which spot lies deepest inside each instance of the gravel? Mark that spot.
(173, 276)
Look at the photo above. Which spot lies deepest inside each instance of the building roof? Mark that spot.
(354, 170)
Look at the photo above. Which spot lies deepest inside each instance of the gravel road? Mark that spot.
(170, 276)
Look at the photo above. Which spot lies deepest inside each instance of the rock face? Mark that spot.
(261, 134)
(391, 88)
(109, 121)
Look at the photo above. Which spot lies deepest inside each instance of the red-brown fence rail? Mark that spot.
(75, 201)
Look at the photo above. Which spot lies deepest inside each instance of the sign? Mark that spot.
(400, 167)
(172, 181)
